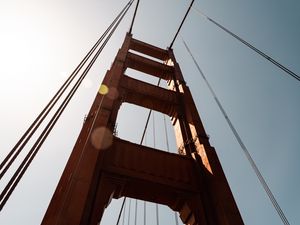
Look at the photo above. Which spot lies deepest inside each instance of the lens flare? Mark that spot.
(101, 138)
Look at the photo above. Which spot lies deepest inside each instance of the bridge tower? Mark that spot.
(103, 166)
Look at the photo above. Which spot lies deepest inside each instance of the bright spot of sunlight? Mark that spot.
(103, 90)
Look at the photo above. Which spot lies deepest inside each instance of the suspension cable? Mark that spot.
(121, 210)
(267, 57)
(154, 146)
(129, 210)
(187, 12)
(124, 214)
(166, 134)
(176, 218)
(153, 130)
(241, 143)
(145, 213)
(9, 188)
(135, 213)
(16, 150)
(168, 149)
(134, 15)
(145, 209)
(157, 215)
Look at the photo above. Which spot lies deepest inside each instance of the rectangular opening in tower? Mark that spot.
(144, 77)
(159, 134)
(139, 211)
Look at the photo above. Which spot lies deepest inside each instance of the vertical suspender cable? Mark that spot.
(241, 143)
(135, 213)
(148, 118)
(153, 130)
(157, 215)
(168, 149)
(141, 142)
(267, 57)
(166, 134)
(129, 210)
(145, 213)
(154, 145)
(176, 218)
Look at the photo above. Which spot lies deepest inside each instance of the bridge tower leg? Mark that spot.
(103, 166)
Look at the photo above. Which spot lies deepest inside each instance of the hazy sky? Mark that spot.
(42, 41)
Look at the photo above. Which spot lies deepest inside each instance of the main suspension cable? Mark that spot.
(267, 57)
(9, 188)
(16, 150)
(187, 12)
(134, 15)
(241, 143)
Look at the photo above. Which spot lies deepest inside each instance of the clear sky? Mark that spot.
(42, 41)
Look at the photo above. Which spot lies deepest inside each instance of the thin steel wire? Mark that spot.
(11, 185)
(154, 146)
(135, 212)
(124, 214)
(176, 218)
(153, 130)
(261, 53)
(16, 150)
(129, 211)
(157, 214)
(179, 28)
(166, 134)
(168, 149)
(241, 143)
(134, 15)
(141, 142)
(145, 213)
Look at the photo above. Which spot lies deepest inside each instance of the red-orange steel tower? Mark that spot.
(102, 166)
